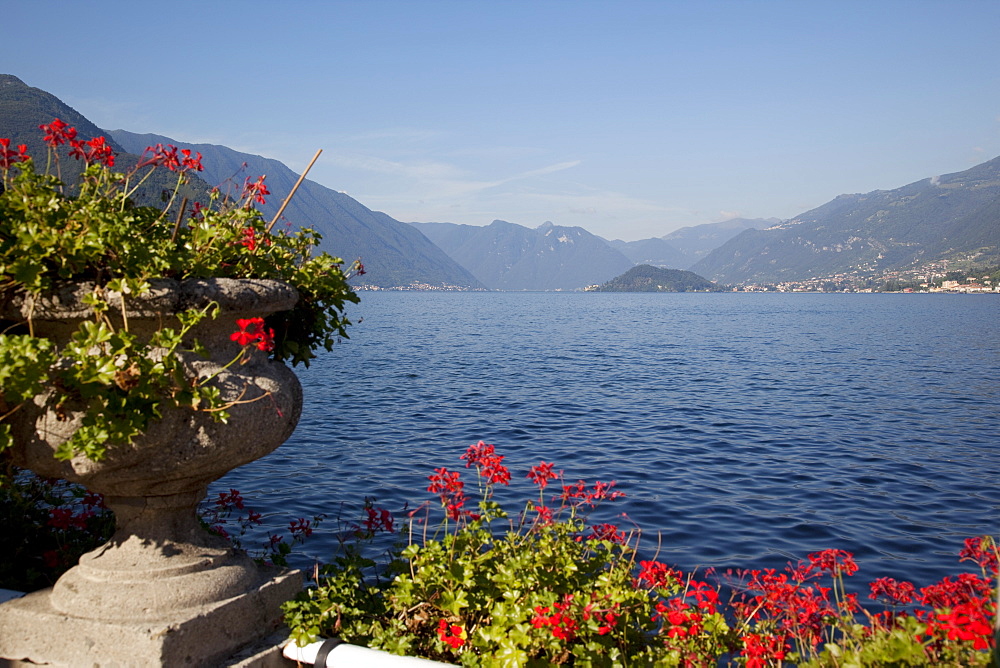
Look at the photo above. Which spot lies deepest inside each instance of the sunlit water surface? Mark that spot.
(745, 429)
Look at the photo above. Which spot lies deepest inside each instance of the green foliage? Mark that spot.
(647, 278)
(541, 591)
(881, 647)
(493, 586)
(895, 285)
(483, 589)
(93, 232)
(988, 275)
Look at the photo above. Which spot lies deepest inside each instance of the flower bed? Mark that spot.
(542, 587)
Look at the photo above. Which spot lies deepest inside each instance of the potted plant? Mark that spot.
(143, 354)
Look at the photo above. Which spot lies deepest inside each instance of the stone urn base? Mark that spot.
(31, 629)
(162, 591)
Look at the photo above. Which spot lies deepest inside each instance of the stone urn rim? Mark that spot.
(64, 301)
(262, 390)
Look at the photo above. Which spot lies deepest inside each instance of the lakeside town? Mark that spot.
(954, 287)
(932, 277)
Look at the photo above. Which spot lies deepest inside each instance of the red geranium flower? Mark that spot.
(8, 157)
(834, 562)
(542, 473)
(255, 190)
(982, 550)
(57, 132)
(301, 527)
(249, 239)
(897, 592)
(657, 575)
(606, 531)
(252, 331)
(379, 519)
(452, 634)
(191, 163)
(487, 462)
(95, 150)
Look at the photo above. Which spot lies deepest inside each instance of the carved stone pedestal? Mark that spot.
(162, 591)
(31, 629)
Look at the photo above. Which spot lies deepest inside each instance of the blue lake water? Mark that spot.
(745, 429)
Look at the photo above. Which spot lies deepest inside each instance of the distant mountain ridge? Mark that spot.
(507, 256)
(394, 254)
(698, 240)
(684, 247)
(656, 252)
(24, 108)
(954, 217)
(950, 218)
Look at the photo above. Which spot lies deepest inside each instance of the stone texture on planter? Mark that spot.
(31, 629)
(162, 591)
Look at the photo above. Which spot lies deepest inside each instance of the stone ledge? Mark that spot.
(32, 631)
(264, 654)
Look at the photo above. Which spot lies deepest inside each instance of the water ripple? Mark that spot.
(746, 430)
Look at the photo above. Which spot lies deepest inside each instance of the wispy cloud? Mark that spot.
(558, 167)
(423, 170)
(604, 203)
(395, 135)
(440, 179)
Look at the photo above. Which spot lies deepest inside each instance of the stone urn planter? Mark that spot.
(162, 590)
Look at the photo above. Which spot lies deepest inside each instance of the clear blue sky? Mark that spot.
(628, 118)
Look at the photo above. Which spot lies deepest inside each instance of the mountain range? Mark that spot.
(23, 109)
(953, 218)
(684, 247)
(394, 254)
(505, 256)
